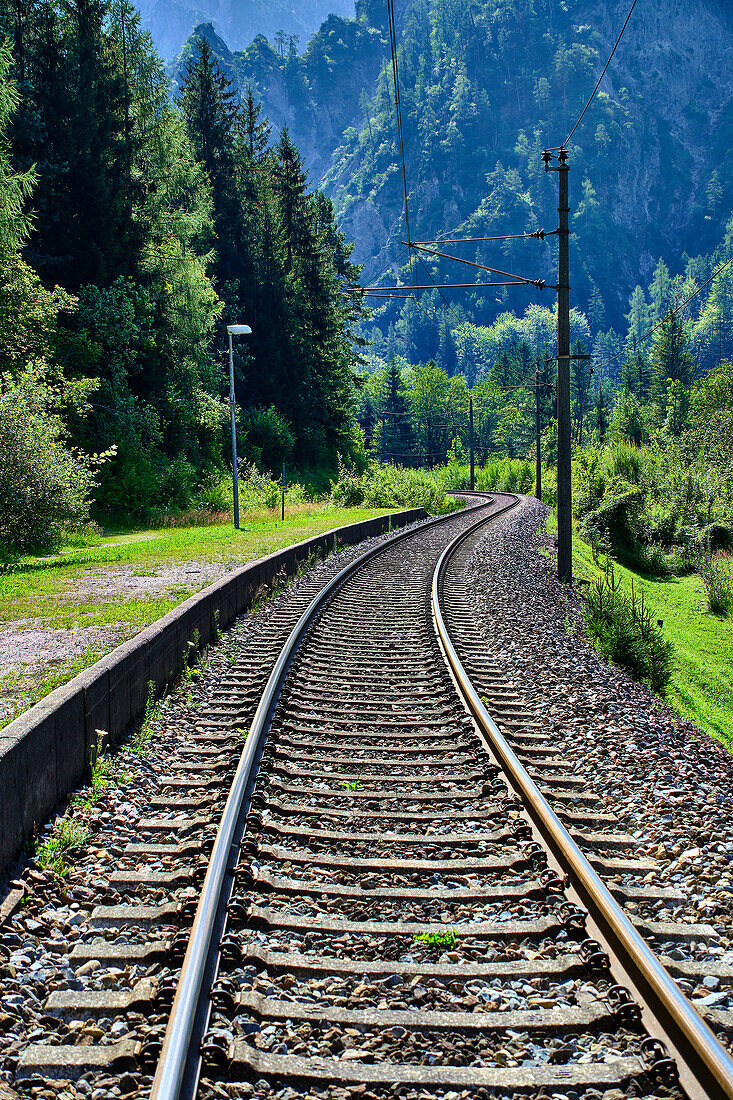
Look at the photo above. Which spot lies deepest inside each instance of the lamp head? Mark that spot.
(239, 330)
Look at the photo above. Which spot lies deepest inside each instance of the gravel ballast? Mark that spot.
(669, 784)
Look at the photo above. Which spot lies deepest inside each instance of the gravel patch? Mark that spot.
(30, 652)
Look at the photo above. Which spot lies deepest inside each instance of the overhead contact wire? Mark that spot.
(398, 114)
(598, 83)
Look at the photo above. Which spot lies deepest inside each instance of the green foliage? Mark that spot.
(139, 205)
(716, 536)
(15, 187)
(444, 940)
(716, 573)
(385, 486)
(68, 834)
(268, 440)
(623, 631)
(44, 486)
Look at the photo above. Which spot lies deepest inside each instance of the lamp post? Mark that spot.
(235, 330)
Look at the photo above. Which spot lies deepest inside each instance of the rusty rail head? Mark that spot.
(705, 1067)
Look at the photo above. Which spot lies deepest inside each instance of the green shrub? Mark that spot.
(653, 560)
(682, 562)
(256, 490)
(716, 574)
(624, 631)
(214, 494)
(268, 440)
(617, 516)
(716, 536)
(386, 486)
(625, 461)
(501, 475)
(44, 486)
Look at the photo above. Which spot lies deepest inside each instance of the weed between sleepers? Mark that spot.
(437, 939)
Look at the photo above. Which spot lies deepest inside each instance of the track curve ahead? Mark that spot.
(378, 917)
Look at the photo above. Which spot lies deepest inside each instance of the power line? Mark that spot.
(442, 295)
(406, 291)
(398, 114)
(539, 234)
(598, 84)
(519, 279)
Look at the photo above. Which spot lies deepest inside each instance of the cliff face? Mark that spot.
(318, 94)
(237, 21)
(486, 87)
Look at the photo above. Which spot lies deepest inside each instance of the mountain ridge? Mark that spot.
(171, 21)
(485, 89)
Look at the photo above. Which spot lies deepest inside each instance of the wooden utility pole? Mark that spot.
(470, 437)
(564, 445)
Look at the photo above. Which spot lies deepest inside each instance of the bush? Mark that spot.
(386, 486)
(44, 486)
(716, 574)
(256, 490)
(682, 562)
(716, 536)
(268, 439)
(501, 475)
(616, 517)
(623, 631)
(653, 560)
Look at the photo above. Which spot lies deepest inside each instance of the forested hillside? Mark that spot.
(132, 230)
(486, 86)
(141, 215)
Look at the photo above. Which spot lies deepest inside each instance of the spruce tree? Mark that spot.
(397, 441)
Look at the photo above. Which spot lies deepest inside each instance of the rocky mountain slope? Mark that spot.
(172, 21)
(486, 86)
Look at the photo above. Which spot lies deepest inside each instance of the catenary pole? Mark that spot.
(564, 490)
(470, 438)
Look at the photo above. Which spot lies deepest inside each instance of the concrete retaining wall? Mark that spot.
(46, 752)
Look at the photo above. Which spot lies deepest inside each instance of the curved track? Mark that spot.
(379, 914)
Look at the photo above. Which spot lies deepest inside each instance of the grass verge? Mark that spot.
(106, 591)
(701, 686)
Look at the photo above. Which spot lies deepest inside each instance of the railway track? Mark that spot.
(392, 905)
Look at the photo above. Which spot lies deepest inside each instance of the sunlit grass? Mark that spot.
(702, 679)
(76, 590)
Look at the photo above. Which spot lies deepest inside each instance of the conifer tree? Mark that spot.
(394, 410)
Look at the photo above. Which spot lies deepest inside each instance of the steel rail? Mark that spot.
(706, 1068)
(175, 1065)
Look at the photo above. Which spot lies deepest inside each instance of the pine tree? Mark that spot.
(396, 439)
(290, 188)
(15, 187)
(582, 373)
(673, 366)
(254, 132)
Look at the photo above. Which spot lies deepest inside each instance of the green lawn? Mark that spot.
(702, 681)
(96, 594)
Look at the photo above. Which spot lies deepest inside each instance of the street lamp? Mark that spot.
(235, 330)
